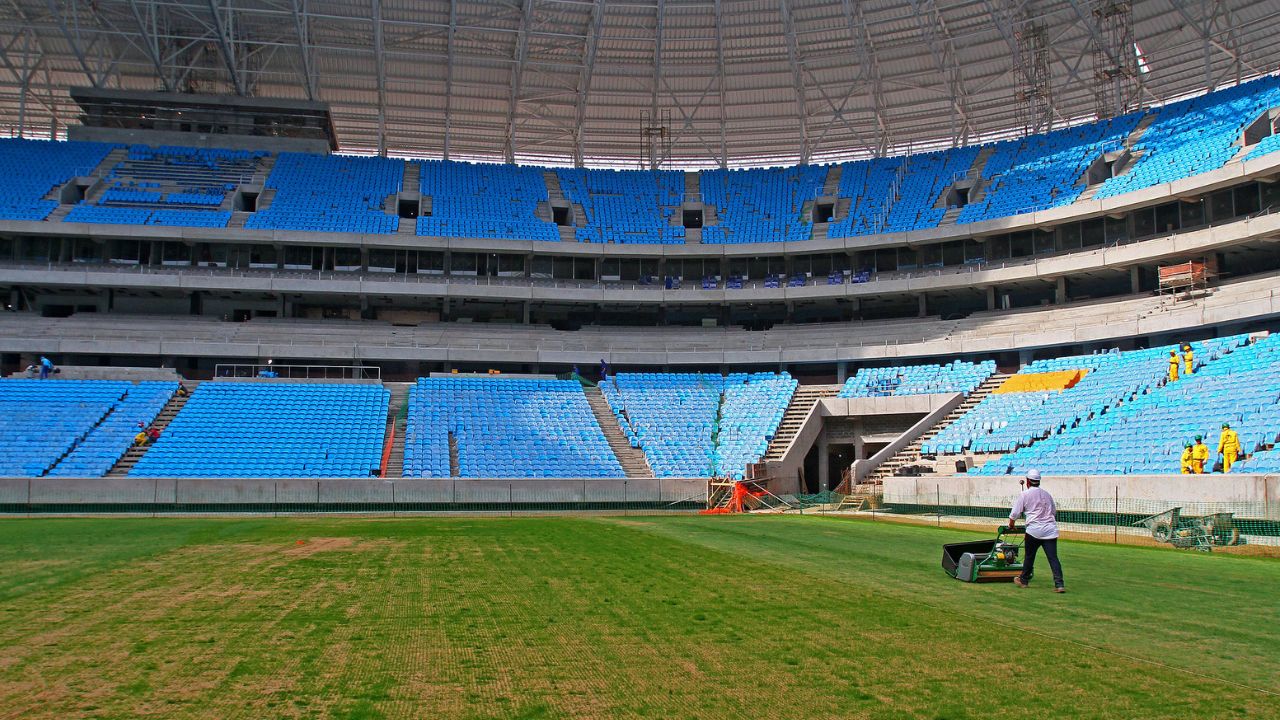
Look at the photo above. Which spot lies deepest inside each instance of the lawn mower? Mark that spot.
(996, 560)
(1201, 533)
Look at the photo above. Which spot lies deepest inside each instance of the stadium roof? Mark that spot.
(745, 82)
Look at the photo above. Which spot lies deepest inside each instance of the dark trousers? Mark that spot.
(1050, 551)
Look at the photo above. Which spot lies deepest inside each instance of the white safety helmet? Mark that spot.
(1033, 477)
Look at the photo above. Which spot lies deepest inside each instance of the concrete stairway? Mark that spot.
(831, 185)
(911, 454)
(166, 416)
(412, 178)
(554, 192)
(692, 184)
(805, 397)
(396, 417)
(633, 461)
(455, 468)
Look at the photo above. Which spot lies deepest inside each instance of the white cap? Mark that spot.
(1033, 476)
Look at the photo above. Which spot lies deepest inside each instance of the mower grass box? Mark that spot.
(995, 560)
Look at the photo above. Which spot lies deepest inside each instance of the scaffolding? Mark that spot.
(1117, 83)
(655, 138)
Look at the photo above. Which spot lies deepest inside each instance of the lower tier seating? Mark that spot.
(95, 455)
(1125, 416)
(270, 429)
(697, 425)
(505, 428)
(956, 376)
(72, 427)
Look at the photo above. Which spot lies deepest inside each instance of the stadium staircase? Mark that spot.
(632, 460)
(455, 466)
(411, 183)
(804, 399)
(911, 453)
(831, 186)
(166, 416)
(1130, 140)
(397, 415)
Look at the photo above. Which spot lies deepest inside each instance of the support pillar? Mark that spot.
(824, 463)
(1060, 291)
(924, 306)
(991, 298)
(528, 306)
(842, 371)
(1135, 280)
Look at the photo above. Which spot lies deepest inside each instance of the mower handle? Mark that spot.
(1006, 530)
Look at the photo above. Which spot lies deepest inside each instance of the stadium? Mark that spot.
(639, 358)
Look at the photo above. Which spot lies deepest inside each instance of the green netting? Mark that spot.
(827, 497)
(1180, 523)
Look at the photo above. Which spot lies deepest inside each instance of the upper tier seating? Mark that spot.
(1194, 136)
(331, 193)
(899, 194)
(170, 185)
(697, 425)
(1003, 422)
(626, 206)
(956, 376)
(1044, 171)
(1094, 426)
(115, 215)
(761, 205)
(483, 201)
(43, 420)
(505, 428)
(32, 168)
(749, 416)
(270, 429)
(95, 455)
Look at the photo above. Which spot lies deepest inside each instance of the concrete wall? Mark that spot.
(160, 494)
(1092, 492)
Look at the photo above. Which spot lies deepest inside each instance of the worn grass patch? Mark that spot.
(674, 617)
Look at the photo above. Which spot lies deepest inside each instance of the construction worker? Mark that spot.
(1188, 360)
(1199, 455)
(1187, 462)
(1228, 447)
(1173, 365)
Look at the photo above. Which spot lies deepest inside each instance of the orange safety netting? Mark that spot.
(736, 501)
(1038, 382)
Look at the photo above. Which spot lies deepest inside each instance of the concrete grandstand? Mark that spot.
(878, 287)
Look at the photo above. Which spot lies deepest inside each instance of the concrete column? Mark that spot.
(1024, 357)
(444, 309)
(525, 311)
(1060, 291)
(1135, 280)
(924, 306)
(991, 297)
(824, 462)
(842, 371)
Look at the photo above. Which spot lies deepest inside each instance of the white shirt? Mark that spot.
(1038, 505)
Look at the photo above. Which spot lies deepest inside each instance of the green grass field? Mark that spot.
(666, 617)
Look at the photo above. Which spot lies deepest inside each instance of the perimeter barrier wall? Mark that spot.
(176, 496)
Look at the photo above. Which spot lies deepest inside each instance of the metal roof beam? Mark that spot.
(222, 30)
(724, 146)
(1203, 29)
(868, 70)
(379, 62)
(944, 56)
(448, 78)
(150, 43)
(520, 53)
(302, 26)
(797, 78)
(72, 39)
(594, 25)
